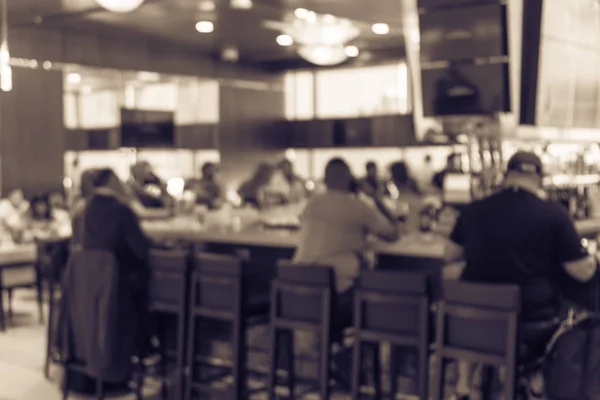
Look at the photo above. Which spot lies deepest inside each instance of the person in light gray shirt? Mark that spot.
(336, 225)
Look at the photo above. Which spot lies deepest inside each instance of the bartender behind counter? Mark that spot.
(147, 188)
(516, 237)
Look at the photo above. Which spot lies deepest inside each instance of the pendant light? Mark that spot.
(120, 6)
(6, 83)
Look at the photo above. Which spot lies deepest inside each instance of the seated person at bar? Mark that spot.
(108, 223)
(371, 181)
(259, 190)
(207, 189)
(147, 188)
(58, 207)
(297, 186)
(409, 202)
(13, 209)
(335, 228)
(453, 165)
(515, 237)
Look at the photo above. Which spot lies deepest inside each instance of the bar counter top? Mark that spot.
(420, 245)
(414, 244)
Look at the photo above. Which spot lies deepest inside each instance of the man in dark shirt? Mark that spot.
(516, 237)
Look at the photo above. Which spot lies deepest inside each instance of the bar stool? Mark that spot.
(391, 307)
(219, 293)
(52, 256)
(477, 323)
(301, 299)
(169, 271)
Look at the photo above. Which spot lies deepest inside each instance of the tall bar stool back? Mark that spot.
(215, 294)
(478, 323)
(169, 271)
(431, 266)
(301, 299)
(391, 307)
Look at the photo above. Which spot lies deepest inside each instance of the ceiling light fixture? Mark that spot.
(285, 40)
(120, 6)
(74, 78)
(205, 26)
(206, 6)
(301, 13)
(321, 38)
(380, 29)
(351, 51)
(241, 4)
(323, 55)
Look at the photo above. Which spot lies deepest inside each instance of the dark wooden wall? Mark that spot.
(32, 139)
(250, 129)
(33, 135)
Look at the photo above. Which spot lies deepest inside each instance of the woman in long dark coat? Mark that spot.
(107, 223)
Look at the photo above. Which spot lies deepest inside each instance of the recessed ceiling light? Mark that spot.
(301, 13)
(285, 40)
(351, 51)
(205, 27)
(380, 29)
(206, 6)
(241, 4)
(74, 78)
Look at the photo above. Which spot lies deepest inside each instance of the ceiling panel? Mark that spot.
(174, 21)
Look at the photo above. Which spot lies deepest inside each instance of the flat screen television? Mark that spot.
(142, 129)
(466, 90)
(463, 33)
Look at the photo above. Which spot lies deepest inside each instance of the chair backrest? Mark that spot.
(303, 293)
(393, 303)
(480, 317)
(431, 266)
(217, 284)
(168, 276)
(52, 257)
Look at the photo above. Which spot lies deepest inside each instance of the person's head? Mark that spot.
(141, 170)
(209, 170)
(16, 197)
(56, 200)
(454, 162)
(108, 180)
(338, 176)
(524, 169)
(371, 169)
(263, 174)
(400, 173)
(40, 208)
(287, 168)
(88, 178)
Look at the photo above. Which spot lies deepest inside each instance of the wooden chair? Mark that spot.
(52, 259)
(219, 293)
(477, 323)
(168, 288)
(301, 299)
(391, 307)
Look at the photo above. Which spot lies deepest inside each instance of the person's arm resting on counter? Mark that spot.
(381, 222)
(574, 258)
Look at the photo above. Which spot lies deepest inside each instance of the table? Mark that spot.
(17, 269)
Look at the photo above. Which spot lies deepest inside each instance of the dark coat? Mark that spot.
(103, 305)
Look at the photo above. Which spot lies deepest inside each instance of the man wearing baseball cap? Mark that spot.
(517, 237)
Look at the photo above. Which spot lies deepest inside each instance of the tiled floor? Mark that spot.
(22, 349)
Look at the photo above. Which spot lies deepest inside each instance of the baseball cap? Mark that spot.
(525, 162)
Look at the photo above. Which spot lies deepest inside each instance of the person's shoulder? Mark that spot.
(555, 211)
